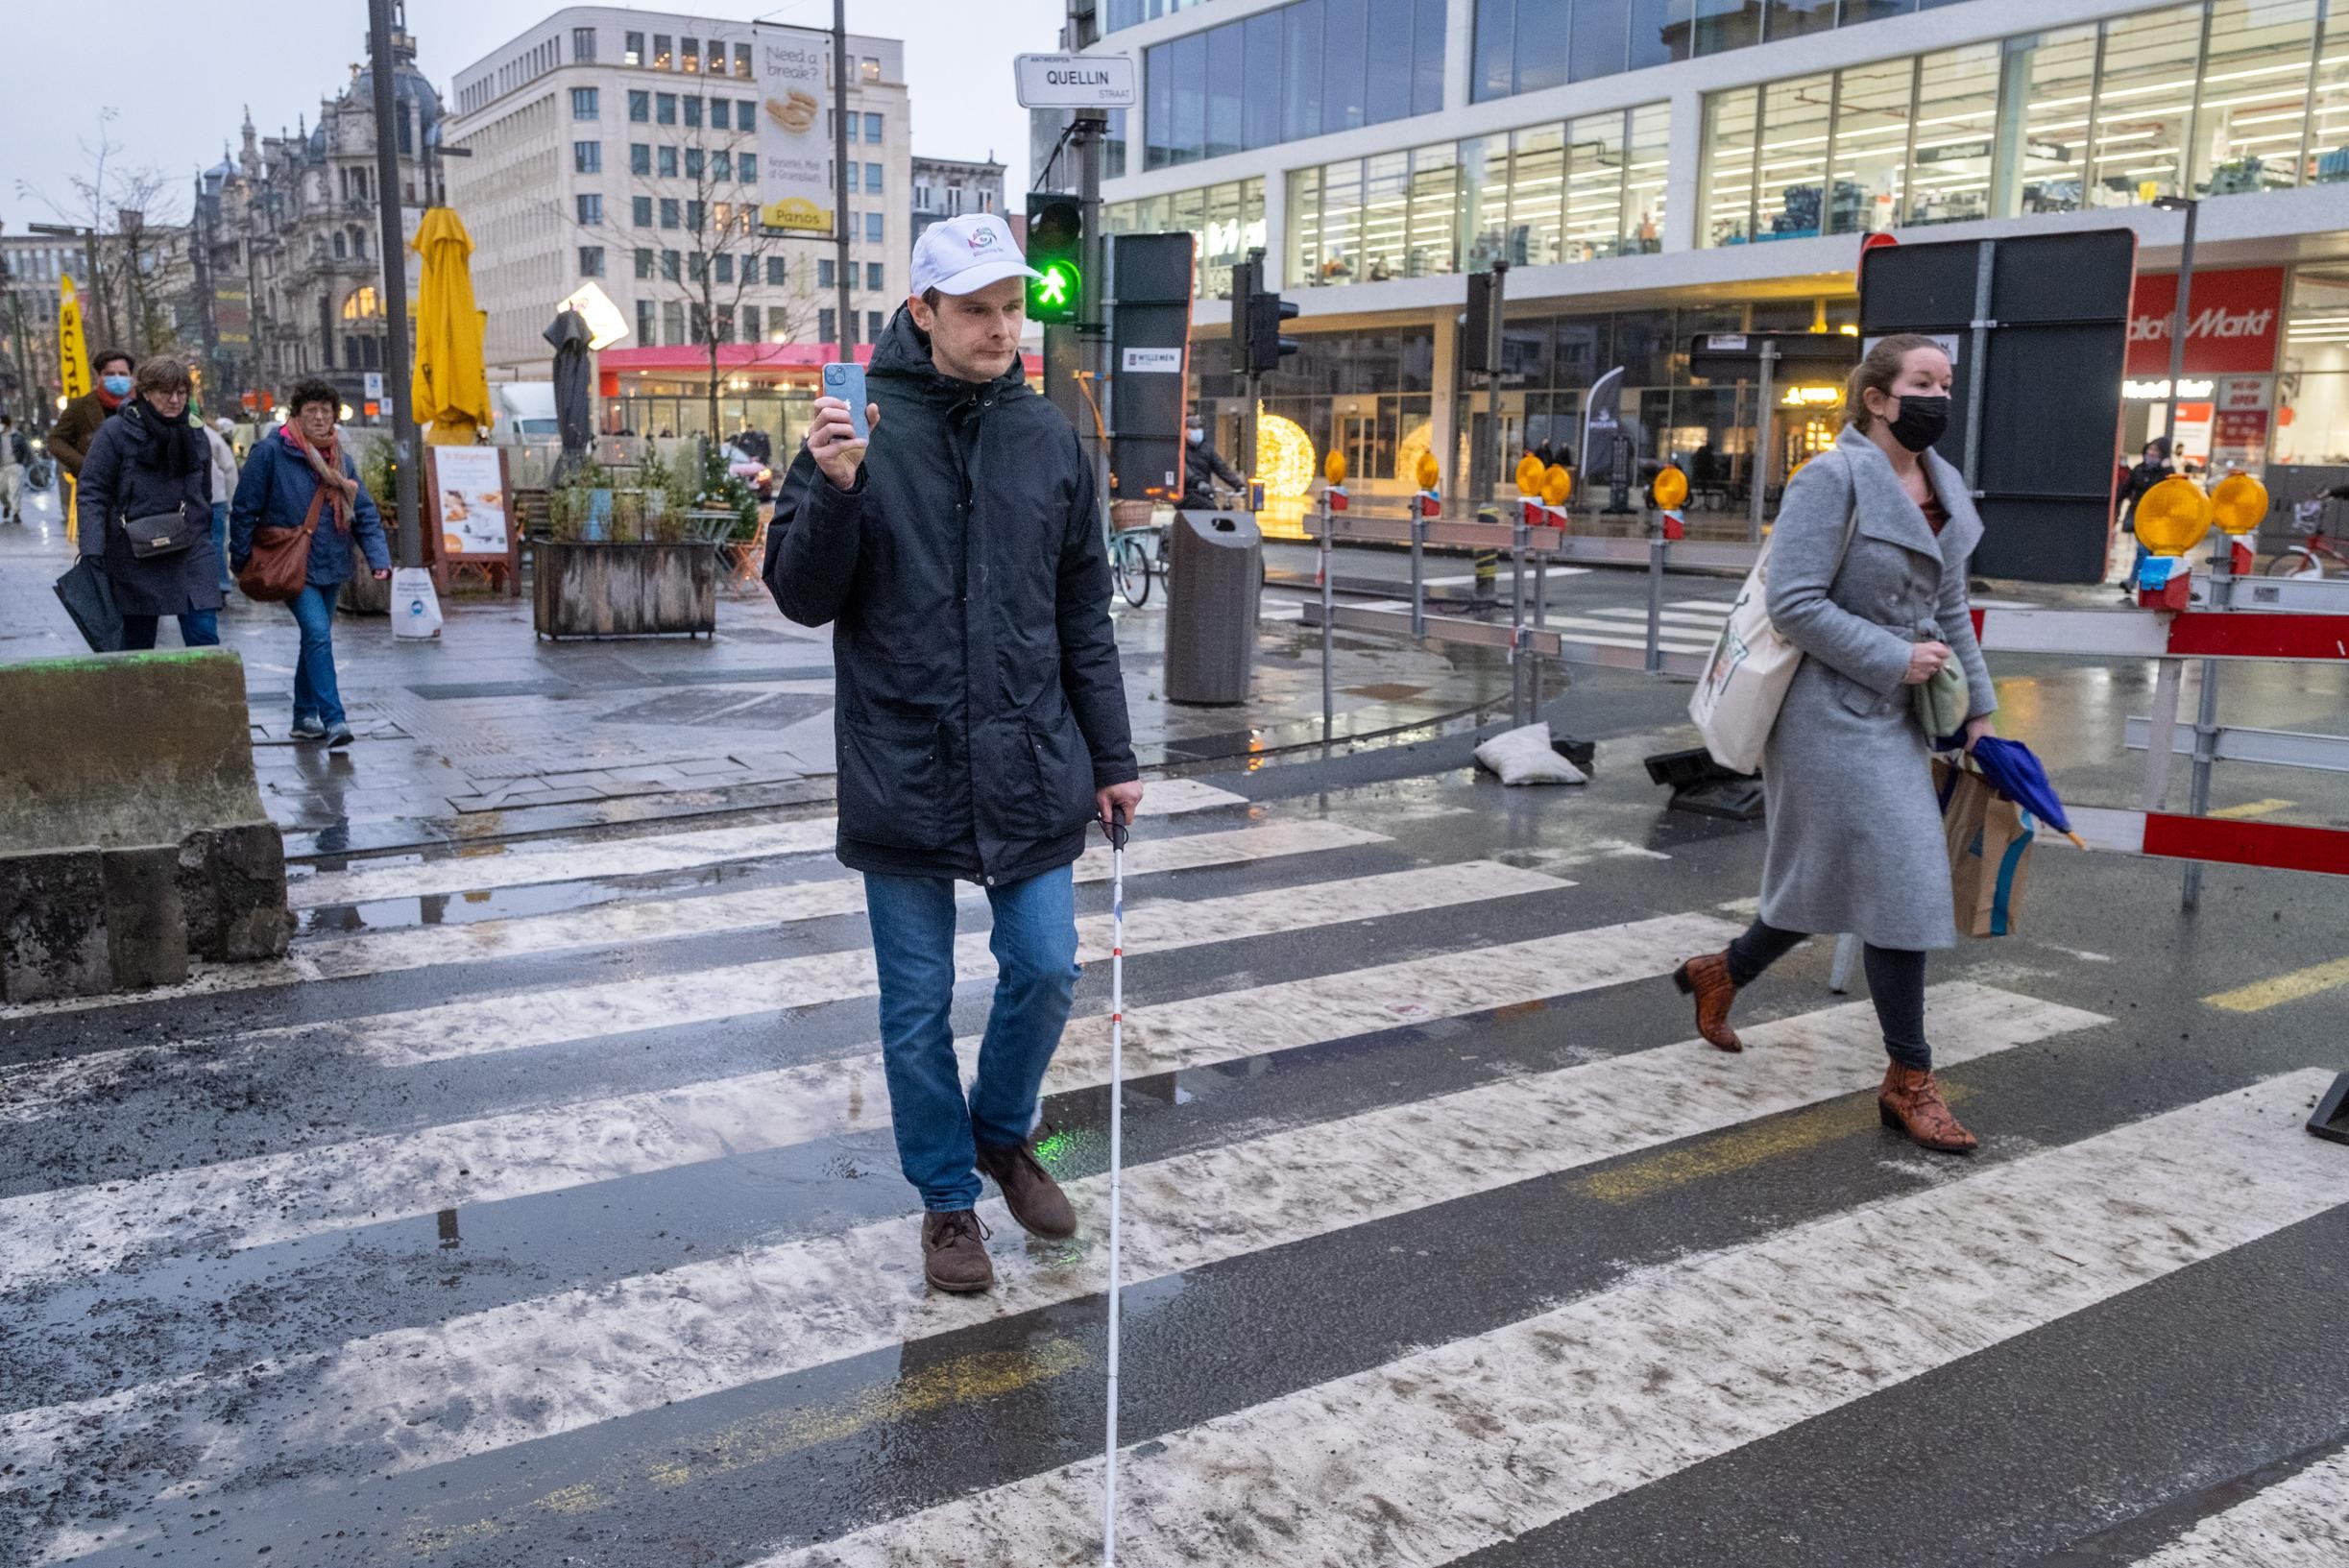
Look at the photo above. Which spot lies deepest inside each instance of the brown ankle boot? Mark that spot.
(1910, 1101)
(955, 1251)
(1708, 979)
(1036, 1200)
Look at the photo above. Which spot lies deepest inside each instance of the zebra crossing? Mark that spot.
(1355, 1036)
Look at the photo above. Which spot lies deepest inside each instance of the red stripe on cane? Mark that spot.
(2277, 845)
(2218, 635)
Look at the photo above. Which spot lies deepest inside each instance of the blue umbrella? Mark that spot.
(2015, 772)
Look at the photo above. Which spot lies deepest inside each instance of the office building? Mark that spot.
(619, 147)
(1652, 169)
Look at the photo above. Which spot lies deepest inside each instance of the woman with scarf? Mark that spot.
(146, 510)
(304, 460)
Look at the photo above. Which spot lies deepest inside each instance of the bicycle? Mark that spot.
(2308, 558)
(1133, 553)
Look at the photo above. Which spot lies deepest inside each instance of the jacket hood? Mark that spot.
(904, 352)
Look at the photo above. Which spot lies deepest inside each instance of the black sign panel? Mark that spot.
(2043, 373)
(1150, 336)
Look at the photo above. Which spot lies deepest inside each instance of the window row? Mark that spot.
(2210, 99)
(670, 54)
(667, 108)
(1132, 13)
(683, 323)
(1227, 222)
(688, 214)
(1580, 190)
(671, 266)
(697, 162)
(1301, 70)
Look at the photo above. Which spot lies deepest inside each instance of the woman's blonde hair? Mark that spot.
(1876, 370)
(161, 376)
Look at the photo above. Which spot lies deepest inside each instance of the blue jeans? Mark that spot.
(1034, 942)
(316, 695)
(220, 542)
(198, 629)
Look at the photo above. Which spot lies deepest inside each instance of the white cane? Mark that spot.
(1117, 1151)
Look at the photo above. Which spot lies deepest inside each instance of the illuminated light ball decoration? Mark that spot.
(1284, 458)
(1421, 438)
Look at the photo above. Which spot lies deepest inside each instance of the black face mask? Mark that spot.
(1920, 421)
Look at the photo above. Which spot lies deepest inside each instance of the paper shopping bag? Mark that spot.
(1989, 841)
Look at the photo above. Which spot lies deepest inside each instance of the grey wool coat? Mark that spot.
(1856, 841)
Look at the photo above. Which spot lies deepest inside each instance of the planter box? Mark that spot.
(581, 589)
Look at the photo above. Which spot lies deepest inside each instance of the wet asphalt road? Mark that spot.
(1463, 1250)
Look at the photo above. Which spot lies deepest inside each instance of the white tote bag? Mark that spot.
(415, 609)
(1737, 699)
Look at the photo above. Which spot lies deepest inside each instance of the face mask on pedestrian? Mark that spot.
(118, 385)
(1196, 435)
(1920, 421)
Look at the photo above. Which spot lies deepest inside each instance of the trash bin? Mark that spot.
(1214, 575)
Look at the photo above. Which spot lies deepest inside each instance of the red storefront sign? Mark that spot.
(2235, 317)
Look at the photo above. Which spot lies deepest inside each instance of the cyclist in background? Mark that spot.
(1201, 466)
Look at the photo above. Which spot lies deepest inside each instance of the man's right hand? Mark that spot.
(832, 440)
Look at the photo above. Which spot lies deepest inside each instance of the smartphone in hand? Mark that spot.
(846, 383)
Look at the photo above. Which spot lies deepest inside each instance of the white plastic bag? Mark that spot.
(415, 609)
(1524, 756)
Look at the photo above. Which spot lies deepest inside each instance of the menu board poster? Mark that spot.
(794, 142)
(467, 497)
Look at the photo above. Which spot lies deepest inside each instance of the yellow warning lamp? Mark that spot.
(1428, 471)
(2238, 504)
(1333, 467)
(1671, 488)
(2173, 516)
(1529, 474)
(1557, 484)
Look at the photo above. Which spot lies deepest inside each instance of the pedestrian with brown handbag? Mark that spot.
(299, 523)
(146, 510)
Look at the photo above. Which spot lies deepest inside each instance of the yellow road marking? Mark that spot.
(756, 1440)
(1738, 1150)
(2252, 808)
(2261, 995)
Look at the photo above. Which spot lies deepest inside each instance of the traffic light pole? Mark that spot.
(393, 249)
(1093, 316)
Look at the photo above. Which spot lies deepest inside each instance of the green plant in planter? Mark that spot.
(722, 490)
(628, 520)
(379, 474)
(566, 513)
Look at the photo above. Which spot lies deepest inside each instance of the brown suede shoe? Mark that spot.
(955, 1251)
(1910, 1101)
(1708, 979)
(1036, 1200)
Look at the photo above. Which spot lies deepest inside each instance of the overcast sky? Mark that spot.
(179, 76)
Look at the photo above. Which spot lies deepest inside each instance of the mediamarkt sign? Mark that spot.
(2234, 317)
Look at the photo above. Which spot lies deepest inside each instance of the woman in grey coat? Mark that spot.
(1856, 841)
(148, 461)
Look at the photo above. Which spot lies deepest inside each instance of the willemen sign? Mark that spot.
(2234, 317)
(794, 143)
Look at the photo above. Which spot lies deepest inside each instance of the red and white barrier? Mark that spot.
(2276, 845)
(2141, 634)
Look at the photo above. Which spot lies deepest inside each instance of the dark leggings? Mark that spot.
(1896, 985)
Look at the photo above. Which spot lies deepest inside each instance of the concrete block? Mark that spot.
(123, 748)
(233, 888)
(146, 932)
(53, 925)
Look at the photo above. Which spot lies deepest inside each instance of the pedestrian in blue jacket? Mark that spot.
(284, 471)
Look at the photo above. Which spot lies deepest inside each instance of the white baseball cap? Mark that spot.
(964, 255)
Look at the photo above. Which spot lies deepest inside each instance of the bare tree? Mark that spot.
(119, 208)
(723, 254)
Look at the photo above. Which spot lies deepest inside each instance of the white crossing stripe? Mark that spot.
(654, 920)
(1440, 1454)
(521, 1019)
(473, 871)
(1683, 620)
(1605, 634)
(274, 1197)
(1718, 609)
(2300, 1522)
(706, 1327)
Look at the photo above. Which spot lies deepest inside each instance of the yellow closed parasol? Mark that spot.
(450, 389)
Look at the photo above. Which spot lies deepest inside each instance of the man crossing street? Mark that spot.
(981, 717)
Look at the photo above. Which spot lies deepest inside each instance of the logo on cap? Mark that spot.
(981, 237)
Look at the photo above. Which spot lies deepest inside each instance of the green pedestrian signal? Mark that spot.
(1056, 250)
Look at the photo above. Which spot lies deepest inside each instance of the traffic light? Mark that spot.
(1480, 333)
(1055, 249)
(1265, 343)
(1247, 278)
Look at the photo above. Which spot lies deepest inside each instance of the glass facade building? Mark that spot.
(2223, 98)
(1226, 221)
(1298, 70)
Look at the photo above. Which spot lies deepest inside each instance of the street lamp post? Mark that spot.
(393, 249)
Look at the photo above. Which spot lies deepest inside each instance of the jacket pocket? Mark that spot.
(1062, 800)
(892, 783)
(1859, 699)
